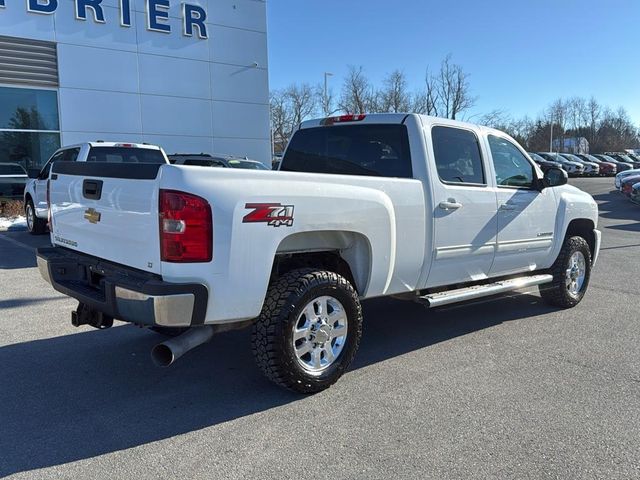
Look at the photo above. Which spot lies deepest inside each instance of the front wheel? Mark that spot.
(571, 274)
(308, 331)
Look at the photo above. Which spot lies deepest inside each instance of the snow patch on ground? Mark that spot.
(15, 223)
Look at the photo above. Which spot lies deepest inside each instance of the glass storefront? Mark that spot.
(29, 126)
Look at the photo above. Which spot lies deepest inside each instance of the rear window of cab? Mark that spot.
(366, 150)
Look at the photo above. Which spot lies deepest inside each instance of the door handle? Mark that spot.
(92, 189)
(450, 204)
(507, 206)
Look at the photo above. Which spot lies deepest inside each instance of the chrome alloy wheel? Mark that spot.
(320, 334)
(30, 214)
(576, 273)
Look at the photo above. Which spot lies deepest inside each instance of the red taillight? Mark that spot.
(186, 228)
(343, 119)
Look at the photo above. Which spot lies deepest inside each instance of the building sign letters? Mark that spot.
(157, 14)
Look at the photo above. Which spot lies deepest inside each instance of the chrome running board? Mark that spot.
(478, 291)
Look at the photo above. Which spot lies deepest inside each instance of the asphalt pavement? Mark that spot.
(508, 388)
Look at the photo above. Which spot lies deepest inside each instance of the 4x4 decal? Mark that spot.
(273, 214)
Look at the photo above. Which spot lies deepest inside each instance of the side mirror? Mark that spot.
(554, 177)
(33, 172)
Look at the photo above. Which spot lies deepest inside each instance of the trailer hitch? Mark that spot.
(85, 315)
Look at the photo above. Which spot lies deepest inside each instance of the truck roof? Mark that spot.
(379, 118)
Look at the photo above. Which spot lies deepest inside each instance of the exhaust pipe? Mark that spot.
(165, 353)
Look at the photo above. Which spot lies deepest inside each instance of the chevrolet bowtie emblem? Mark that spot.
(92, 215)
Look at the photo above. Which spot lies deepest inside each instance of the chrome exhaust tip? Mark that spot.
(166, 353)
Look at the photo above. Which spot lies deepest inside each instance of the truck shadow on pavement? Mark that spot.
(83, 395)
(615, 206)
(15, 259)
(17, 249)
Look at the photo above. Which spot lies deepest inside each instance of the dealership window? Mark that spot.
(29, 125)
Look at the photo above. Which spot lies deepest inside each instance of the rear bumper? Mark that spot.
(121, 292)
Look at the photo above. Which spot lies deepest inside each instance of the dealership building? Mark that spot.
(189, 76)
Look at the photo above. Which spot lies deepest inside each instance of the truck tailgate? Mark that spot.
(109, 211)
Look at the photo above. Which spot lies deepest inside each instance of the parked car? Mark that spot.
(620, 166)
(635, 162)
(35, 193)
(622, 175)
(625, 159)
(13, 179)
(276, 161)
(591, 169)
(633, 156)
(216, 160)
(543, 163)
(635, 193)
(606, 168)
(573, 169)
(290, 254)
(627, 184)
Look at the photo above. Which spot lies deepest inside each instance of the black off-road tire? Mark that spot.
(35, 226)
(272, 333)
(556, 293)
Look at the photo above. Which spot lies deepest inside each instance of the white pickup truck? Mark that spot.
(421, 208)
(36, 206)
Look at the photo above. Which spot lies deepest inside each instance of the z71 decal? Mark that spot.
(273, 214)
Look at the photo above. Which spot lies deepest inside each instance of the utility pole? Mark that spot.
(325, 98)
(551, 140)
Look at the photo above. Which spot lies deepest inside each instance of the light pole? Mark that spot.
(551, 140)
(325, 98)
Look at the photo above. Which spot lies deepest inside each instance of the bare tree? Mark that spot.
(280, 119)
(497, 118)
(358, 95)
(576, 112)
(431, 93)
(288, 108)
(302, 102)
(557, 115)
(420, 103)
(594, 112)
(452, 90)
(616, 132)
(447, 92)
(394, 96)
(326, 102)
(605, 129)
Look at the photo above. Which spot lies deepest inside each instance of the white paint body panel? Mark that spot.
(129, 220)
(389, 213)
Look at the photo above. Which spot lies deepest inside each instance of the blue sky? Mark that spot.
(521, 54)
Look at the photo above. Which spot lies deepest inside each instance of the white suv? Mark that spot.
(35, 193)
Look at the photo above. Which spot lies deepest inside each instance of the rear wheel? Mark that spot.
(308, 331)
(571, 274)
(35, 225)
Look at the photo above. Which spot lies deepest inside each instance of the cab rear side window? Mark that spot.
(457, 156)
(370, 150)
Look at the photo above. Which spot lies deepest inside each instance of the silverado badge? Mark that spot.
(92, 215)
